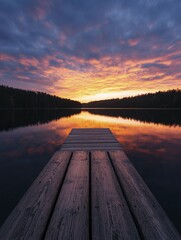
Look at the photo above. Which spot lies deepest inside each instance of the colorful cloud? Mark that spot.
(89, 50)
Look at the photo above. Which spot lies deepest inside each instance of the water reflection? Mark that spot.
(19, 118)
(154, 149)
(162, 116)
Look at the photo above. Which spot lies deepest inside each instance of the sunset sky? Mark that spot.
(91, 49)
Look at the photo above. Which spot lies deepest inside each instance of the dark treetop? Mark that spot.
(16, 98)
(168, 99)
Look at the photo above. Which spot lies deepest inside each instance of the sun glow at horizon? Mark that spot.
(108, 95)
(91, 58)
(101, 79)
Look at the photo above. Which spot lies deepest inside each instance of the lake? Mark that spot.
(150, 138)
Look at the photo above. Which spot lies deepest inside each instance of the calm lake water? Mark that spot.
(150, 138)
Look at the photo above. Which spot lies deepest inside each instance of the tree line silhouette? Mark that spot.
(167, 99)
(17, 98)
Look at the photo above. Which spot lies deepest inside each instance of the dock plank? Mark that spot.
(90, 149)
(90, 131)
(85, 138)
(90, 134)
(30, 217)
(82, 130)
(70, 219)
(110, 215)
(89, 141)
(89, 190)
(100, 144)
(152, 220)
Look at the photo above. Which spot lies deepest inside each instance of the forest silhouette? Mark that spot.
(12, 98)
(17, 98)
(167, 99)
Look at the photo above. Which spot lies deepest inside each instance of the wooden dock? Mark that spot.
(89, 190)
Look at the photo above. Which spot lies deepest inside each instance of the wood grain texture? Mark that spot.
(111, 218)
(100, 144)
(91, 134)
(76, 198)
(70, 219)
(90, 139)
(29, 218)
(85, 139)
(152, 220)
(90, 131)
(82, 148)
(110, 136)
(75, 130)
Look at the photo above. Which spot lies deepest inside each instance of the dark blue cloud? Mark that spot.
(155, 65)
(88, 30)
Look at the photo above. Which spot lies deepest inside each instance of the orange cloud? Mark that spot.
(108, 77)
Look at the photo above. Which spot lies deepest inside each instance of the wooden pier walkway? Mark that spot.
(89, 190)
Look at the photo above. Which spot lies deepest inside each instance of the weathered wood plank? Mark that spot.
(100, 144)
(89, 141)
(86, 132)
(30, 217)
(124, 209)
(92, 135)
(111, 218)
(70, 219)
(79, 131)
(89, 148)
(90, 130)
(90, 138)
(152, 220)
